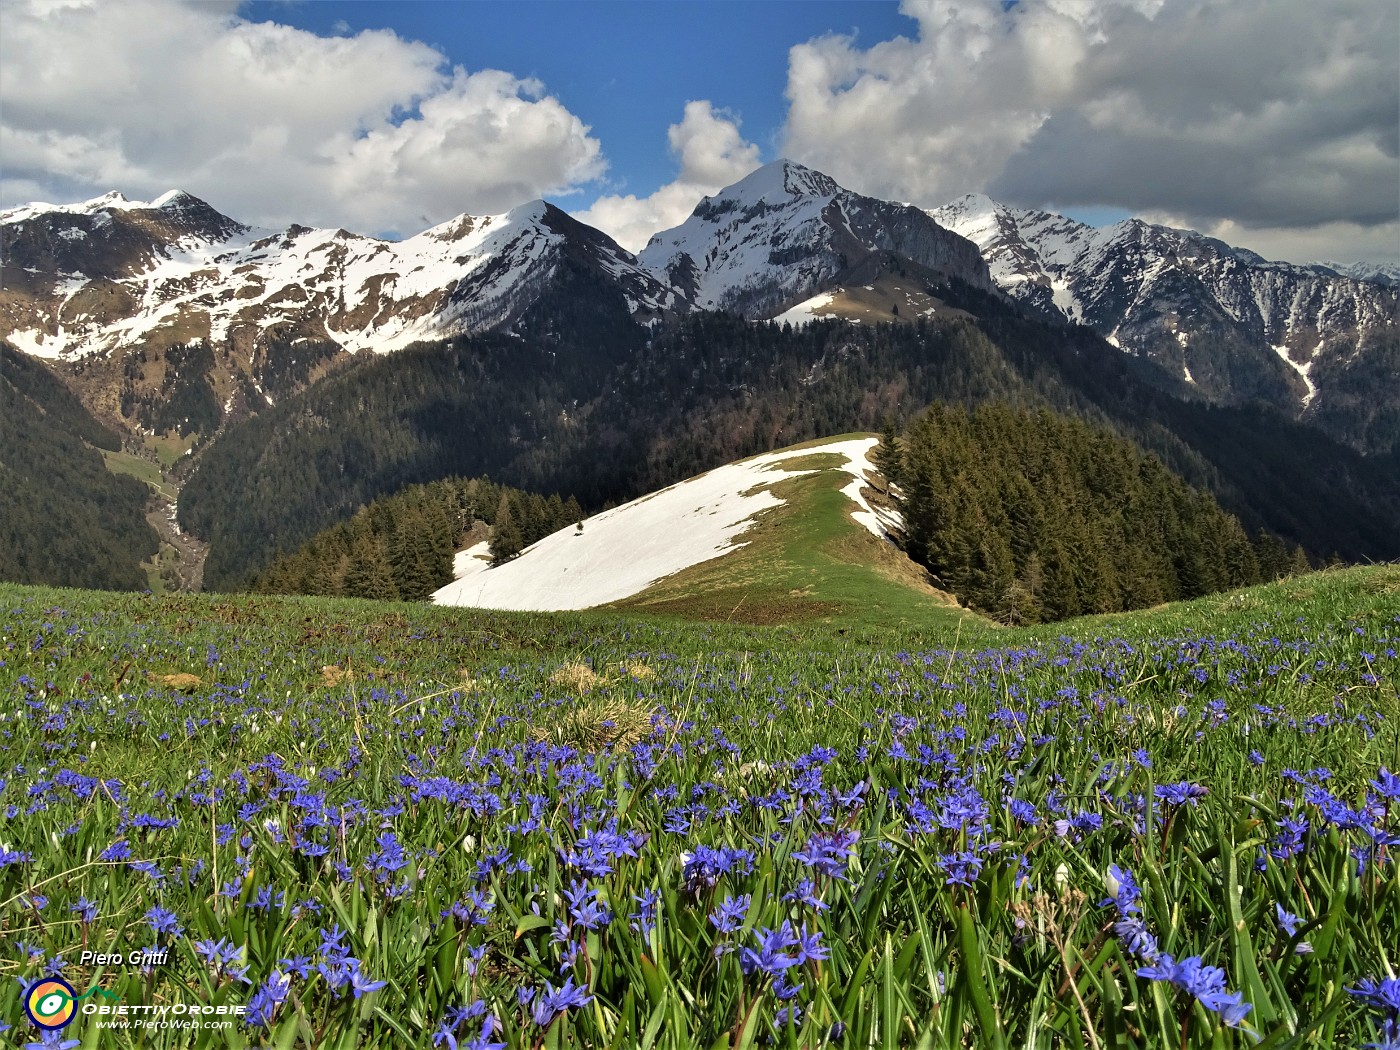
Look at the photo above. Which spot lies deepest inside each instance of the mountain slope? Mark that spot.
(112, 273)
(1229, 325)
(558, 379)
(548, 418)
(785, 233)
(782, 536)
(64, 519)
(172, 316)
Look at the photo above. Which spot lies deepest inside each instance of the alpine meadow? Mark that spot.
(868, 525)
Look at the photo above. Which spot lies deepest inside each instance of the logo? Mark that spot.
(50, 1003)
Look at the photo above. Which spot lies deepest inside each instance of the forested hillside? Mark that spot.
(64, 519)
(401, 547)
(609, 414)
(1031, 516)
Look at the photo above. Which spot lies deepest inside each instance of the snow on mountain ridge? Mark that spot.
(1143, 286)
(621, 552)
(784, 233)
(183, 264)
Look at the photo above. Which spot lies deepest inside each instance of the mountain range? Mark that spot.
(170, 318)
(90, 285)
(1229, 324)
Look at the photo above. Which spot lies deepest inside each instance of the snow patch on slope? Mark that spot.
(806, 312)
(1303, 370)
(623, 551)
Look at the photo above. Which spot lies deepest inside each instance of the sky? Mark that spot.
(1272, 124)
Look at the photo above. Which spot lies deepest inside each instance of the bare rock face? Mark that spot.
(1230, 325)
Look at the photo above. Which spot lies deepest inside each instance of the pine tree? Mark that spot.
(369, 574)
(888, 457)
(507, 539)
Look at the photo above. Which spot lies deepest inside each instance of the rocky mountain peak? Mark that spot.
(785, 232)
(1226, 324)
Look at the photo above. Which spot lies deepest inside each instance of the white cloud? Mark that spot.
(1343, 242)
(712, 154)
(271, 124)
(1265, 115)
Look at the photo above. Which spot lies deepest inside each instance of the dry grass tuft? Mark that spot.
(1385, 582)
(577, 676)
(1241, 603)
(637, 670)
(185, 683)
(332, 676)
(596, 724)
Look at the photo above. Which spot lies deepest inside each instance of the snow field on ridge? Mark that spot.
(623, 551)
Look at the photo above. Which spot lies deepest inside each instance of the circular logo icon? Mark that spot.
(49, 1003)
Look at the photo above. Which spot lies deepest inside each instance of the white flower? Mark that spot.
(1111, 882)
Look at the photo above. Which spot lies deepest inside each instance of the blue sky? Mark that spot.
(626, 67)
(1272, 124)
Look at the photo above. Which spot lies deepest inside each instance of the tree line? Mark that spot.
(65, 519)
(1031, 516)
(401, 547)
(633, 412)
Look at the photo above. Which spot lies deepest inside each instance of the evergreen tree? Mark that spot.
(1030, 515)
(368, 573)
(507, 538)
(887, 456)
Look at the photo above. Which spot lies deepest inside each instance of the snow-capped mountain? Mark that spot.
(786, 233)
(111, 273)
(1233, 326)
(1381, 273)
(169, 314)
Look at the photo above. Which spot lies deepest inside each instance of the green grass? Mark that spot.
(807, 561)
(142, 469)
(170, 447)
(430, 712)
(1331, 596)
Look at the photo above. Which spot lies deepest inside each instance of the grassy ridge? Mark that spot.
(803, 561)
(379, 824)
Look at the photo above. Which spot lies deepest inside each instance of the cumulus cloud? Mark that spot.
(711, 153)
(269, 123)
(1261, 115)
(1342, 242)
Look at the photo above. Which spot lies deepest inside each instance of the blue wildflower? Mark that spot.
(962, 868)
(162, 921)
(1205, 983)
(1124, 891)
(729, 916)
